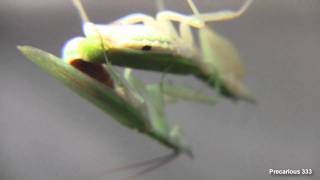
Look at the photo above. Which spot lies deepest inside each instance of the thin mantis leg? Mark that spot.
(148, 21)
(225, 14)
(165, 19)
(186, 34)
(162, 21)
(137, 18)
(198, 19)
(153, 103)
(181, 18)
(173, 93)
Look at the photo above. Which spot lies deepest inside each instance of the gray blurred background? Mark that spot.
(49, 133)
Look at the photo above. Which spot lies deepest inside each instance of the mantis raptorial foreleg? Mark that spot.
(155, 95)
(153, 103)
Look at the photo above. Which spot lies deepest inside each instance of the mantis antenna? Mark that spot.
(148, 166)
(83, 15)
(162, 162)
(85, 19)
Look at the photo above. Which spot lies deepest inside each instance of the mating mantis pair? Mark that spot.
(143, 42)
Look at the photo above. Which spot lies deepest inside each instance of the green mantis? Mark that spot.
(129, 102)
(142, 42)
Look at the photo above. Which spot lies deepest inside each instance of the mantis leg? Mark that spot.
(165, 19)
(173, 93)
(158, 118)
(224, 68)
(186, 34)
(198, 19)
(135, 19)
(153, 104)
(224, 14)
(224, 65)
(148, 21)
(181, 18)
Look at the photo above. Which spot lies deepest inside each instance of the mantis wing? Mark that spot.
(224, 59)
(108, 100)
(103, 97)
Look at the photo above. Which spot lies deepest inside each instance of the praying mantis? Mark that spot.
(130, 102)
(142, 42)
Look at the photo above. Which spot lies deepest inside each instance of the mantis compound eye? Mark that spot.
(146, 48)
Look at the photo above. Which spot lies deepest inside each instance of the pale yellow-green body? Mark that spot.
(143, 42)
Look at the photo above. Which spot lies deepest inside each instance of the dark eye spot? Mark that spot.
(146, 48)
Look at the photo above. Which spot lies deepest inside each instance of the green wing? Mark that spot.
(226, 65)
(145, 113)
(103, 97)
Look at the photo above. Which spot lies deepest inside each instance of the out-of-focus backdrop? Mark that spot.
(47, 132)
